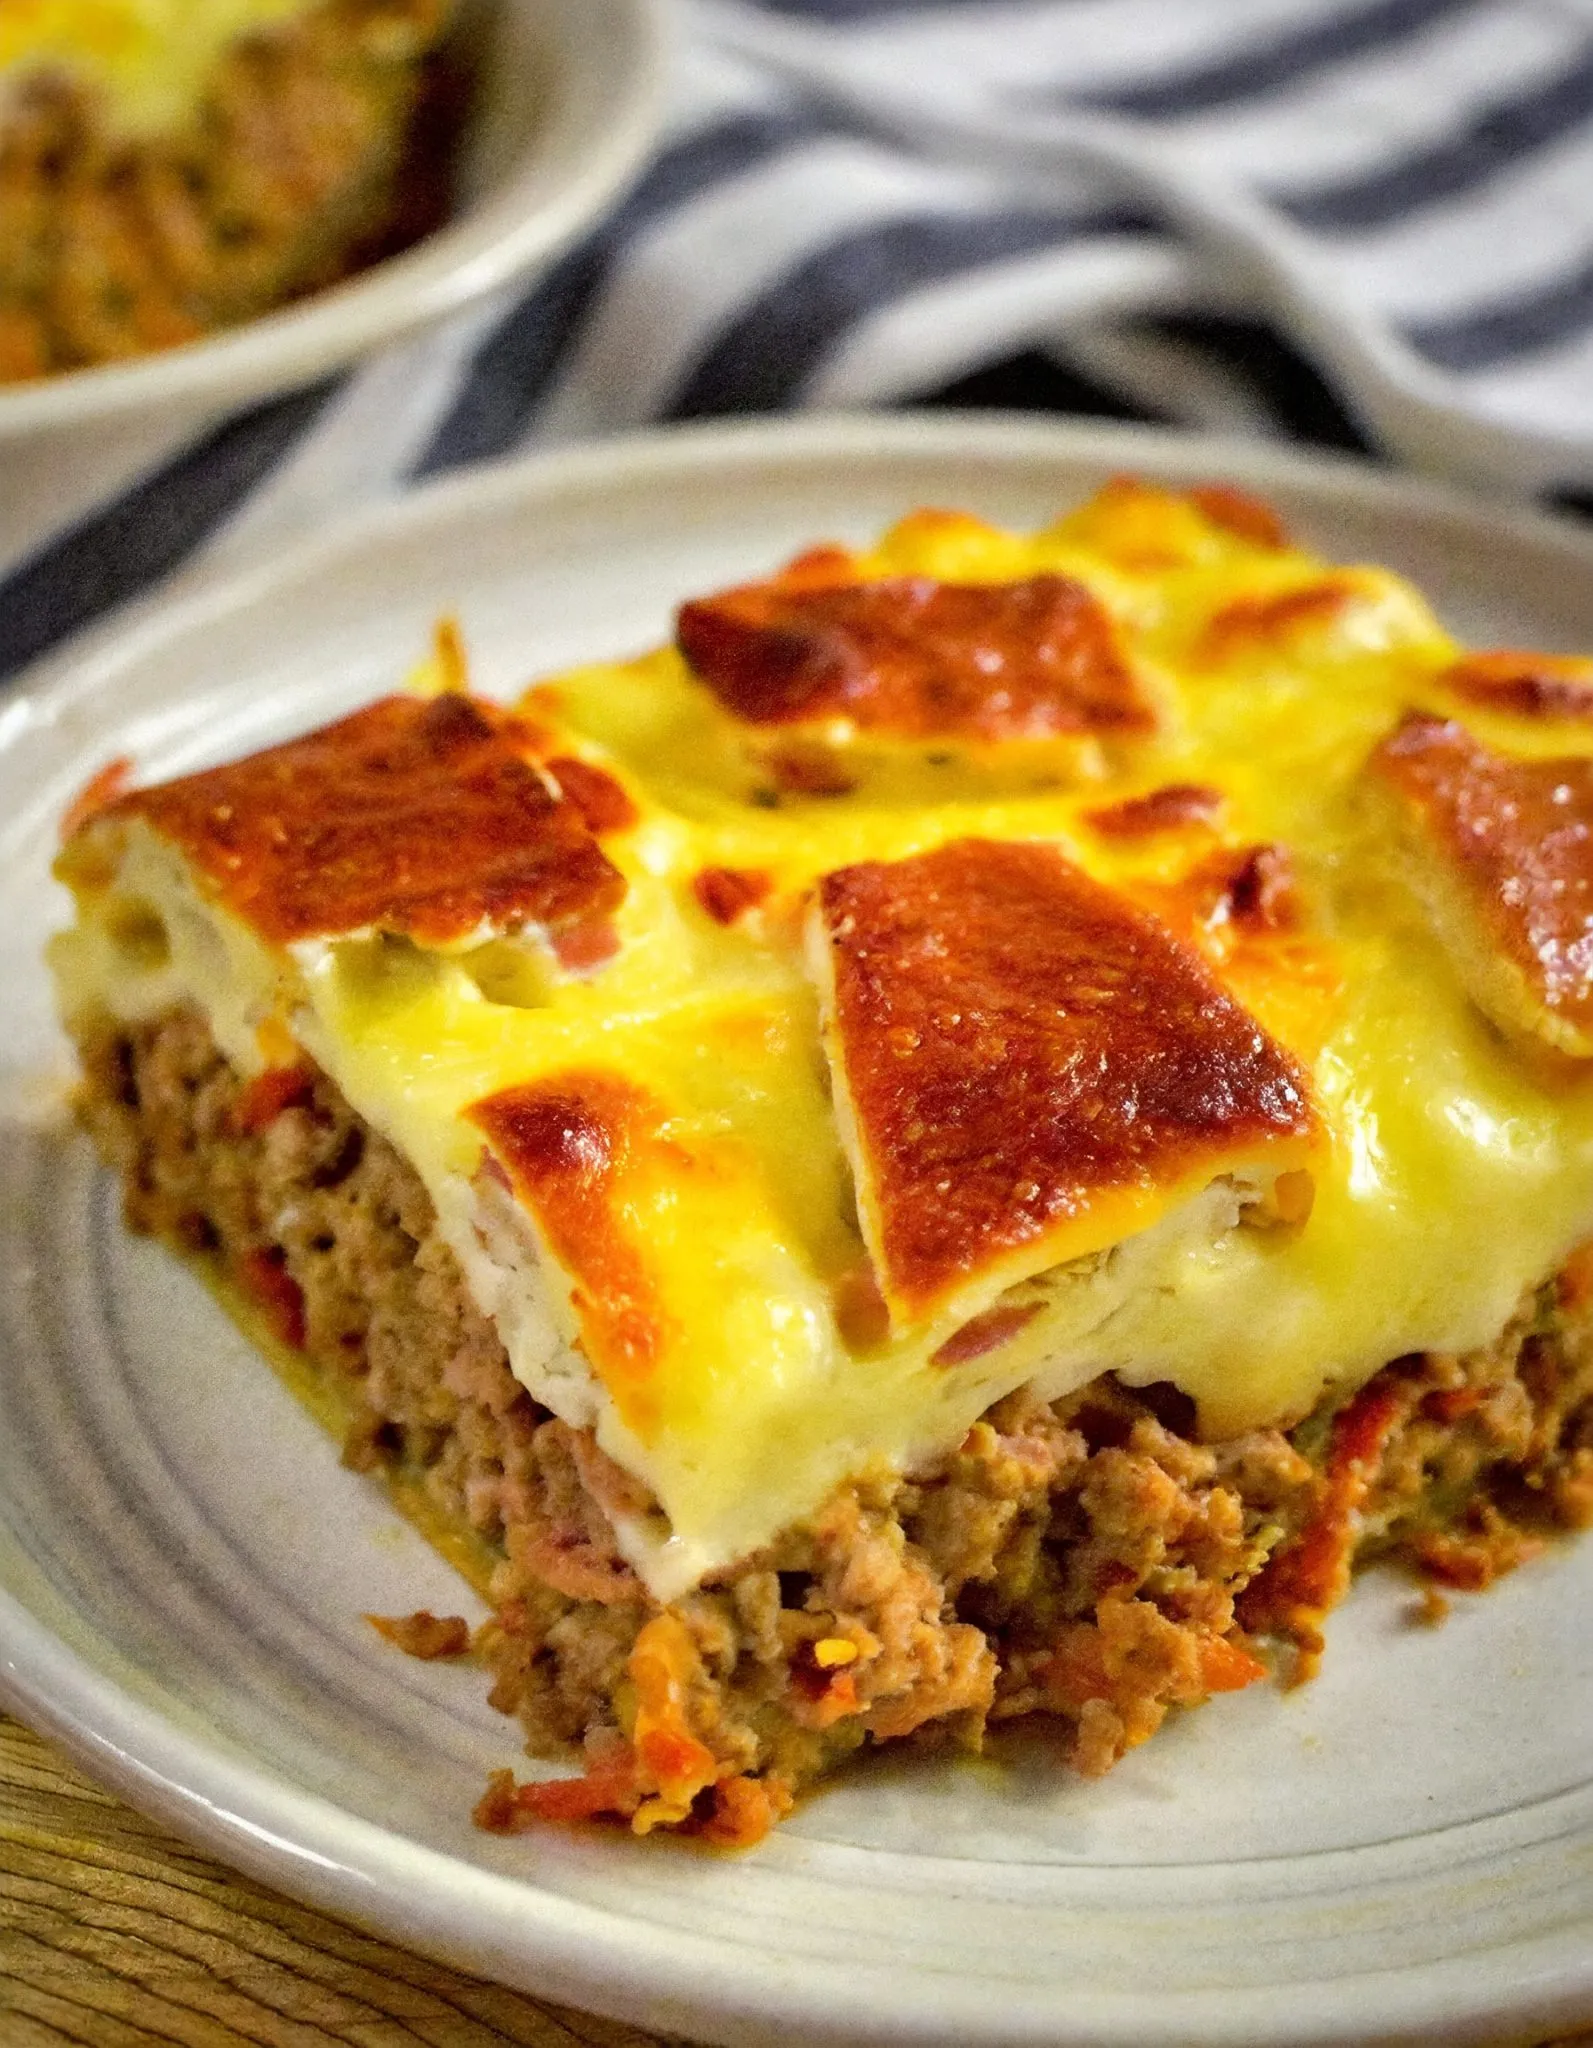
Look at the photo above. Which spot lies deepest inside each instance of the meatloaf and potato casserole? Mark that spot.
(172, 167)
(958, 1144)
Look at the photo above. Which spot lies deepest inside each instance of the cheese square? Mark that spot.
(1028, 1069)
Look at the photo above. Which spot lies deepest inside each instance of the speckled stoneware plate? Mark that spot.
(1403, 1851)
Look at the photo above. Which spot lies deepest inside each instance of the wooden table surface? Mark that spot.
(113, 1934)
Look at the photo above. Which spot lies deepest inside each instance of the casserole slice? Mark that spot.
(997, 1234)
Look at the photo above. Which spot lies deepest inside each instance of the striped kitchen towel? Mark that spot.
(1352, 219)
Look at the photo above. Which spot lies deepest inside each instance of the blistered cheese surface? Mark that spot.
(648, 1157)
(148, 58)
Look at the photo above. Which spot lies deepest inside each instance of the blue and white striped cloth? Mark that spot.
(1351, 220)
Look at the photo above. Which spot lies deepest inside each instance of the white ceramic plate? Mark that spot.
(1402, 1851)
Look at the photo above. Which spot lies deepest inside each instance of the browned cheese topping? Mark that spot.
(1506, 860)
(426, 818)
(1172, 808)
(1267, 623)
(602, 800)
(1538, 686)
(729, 893)
(574, 1146)
(916, 659)
(1022, 1049)
(1240, 513)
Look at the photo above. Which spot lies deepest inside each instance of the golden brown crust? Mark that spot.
(1242, 514)
(1020, 1045)
(421, 817)
(914, 658)
(1506, 847)
(1251, 623)
(602, 800)
(1172, 808)
(570, 1145)
(1541, 687)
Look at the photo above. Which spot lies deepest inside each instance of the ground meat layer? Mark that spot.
(1088, 1560)
(319, 146)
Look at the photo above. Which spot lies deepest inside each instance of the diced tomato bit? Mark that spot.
(725, 893)
(610, 1784)
(828, 1698)
(584, 946)
(264, 1099)
(1311, 1576)
(739, 1813)
(264, 1274)
(97, 794)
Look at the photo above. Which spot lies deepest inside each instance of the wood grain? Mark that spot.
(114, 1934)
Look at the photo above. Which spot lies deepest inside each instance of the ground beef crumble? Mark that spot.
(1087, 1560)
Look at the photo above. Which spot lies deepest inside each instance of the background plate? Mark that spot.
(1401, 1851)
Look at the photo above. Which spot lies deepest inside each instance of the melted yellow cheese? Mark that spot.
(148, 59)
(1459, 1171)
(1456, 1173)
